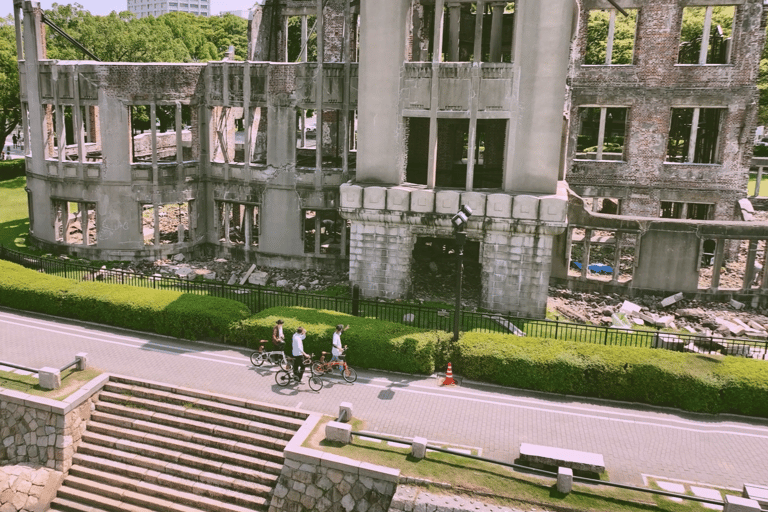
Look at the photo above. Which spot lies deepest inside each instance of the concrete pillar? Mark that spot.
(82, 361)
(759, 179)
(345, 412)
(419, 447)
(281, 136)
(541, 57)
(83, 207)
(50, 378)
(496, 32)
(454, 11)
(564, 480)
(717, 265)
(381, 148)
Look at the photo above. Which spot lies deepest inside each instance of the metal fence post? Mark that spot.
(356, 300)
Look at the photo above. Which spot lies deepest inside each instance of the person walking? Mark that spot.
(298, 353)
(15, 140)
(338, 349)
(278, 338)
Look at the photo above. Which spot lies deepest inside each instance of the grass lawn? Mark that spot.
(763, 185)
(503, 486)
(14, 215)
(71, 380)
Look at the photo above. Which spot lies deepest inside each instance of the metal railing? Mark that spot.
(543, 472)
(258, 298)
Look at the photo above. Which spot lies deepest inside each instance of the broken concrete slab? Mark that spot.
(736, 304)
(247, 274)
(232, 279)
(630, 307)
(178, 257)
(738, 350)
(664, 321)
(733, 328)
(696, 313)
(258, 278)
(637, 321)
(620, 321)
(668, 341)
(186, 273)
(668, 301)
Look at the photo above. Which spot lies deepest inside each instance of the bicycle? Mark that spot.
(285, 377)
(322, 366)
(275, 357)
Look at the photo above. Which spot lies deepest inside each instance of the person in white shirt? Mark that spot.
(338, 349)
(298, 353)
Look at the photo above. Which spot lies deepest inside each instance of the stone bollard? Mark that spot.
(50, 378)
(82, 361)
(739, 504)
(341, 432)
(345, 412)
(419, 447)
(564, 480)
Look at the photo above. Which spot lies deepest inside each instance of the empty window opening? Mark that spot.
(306, 131)
(602, 131)
(323, 230)
(691, 211)
(434, 260)
(302, 39)
(606, 205)
(694, 135)
(452, 153)
(601, 255)
(224, 126)
(90, 126)
(50, 129)
(610, 37)
(460, 23)
(172, 223)
(417, 141)
(705, 36)
(166, 133)
(258, 135)
(71, 220)
(239, 120)
(238, 223)
(141, 133)
(489, 152)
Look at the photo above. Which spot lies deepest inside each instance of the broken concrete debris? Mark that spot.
(672, 299)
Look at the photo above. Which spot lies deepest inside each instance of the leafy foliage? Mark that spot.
(10, 110)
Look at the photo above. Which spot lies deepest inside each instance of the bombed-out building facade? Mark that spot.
(357, 129)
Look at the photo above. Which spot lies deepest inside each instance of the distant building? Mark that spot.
(243, 13)
(144, 8)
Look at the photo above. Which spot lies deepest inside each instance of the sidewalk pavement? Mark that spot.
(637, 442)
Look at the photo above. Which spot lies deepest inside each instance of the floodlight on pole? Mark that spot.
(459, 221)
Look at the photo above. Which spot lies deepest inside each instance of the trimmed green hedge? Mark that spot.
(10, 169)
(372, 343)
(691, 382)
(164, 312)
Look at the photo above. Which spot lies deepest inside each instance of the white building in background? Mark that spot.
(243, 13)
(144, 8)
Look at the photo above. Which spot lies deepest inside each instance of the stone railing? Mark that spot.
(316, 480)
(42, 431)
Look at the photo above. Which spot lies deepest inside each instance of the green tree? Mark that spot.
(10, 107)
(623, 37)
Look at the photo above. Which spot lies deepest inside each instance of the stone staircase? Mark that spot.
(152, 447)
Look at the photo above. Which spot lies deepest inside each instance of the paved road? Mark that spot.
(635, 441)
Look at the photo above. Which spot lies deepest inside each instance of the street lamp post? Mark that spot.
(459, 222)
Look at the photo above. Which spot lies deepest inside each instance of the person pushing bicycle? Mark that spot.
(278, 338)
(338, 349)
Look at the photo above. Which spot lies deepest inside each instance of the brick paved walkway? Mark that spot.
(634, 440)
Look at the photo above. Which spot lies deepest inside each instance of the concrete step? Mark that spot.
(192, 413)
(204, 427)
(169, 487)
(159, 458)
(187, 478)
(184, 431)
(195, 393)
(78, 500)
(198, 444)
(157, 497)
(206, 404)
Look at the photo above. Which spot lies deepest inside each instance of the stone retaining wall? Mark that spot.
(42, 431)
(27, 488)
(319, 481)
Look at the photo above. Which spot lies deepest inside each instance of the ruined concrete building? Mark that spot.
(358, 128)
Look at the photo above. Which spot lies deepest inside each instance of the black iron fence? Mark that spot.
(258, 298)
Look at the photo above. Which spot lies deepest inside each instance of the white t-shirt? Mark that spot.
(280, 331)
(337, 348)
(298, 344)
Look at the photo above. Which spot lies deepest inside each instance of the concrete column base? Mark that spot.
(345, 412)
(50, 378)
(739, 504)
(82, 361)
(419, 447)
(341, 432)
(564, 480)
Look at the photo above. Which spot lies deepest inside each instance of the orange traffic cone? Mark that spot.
(449, 377)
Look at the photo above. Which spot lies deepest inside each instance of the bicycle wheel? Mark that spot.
(317, 368)
(283, 378)
(315, 383)
(257, 359)
(349, 374)
(285, 365)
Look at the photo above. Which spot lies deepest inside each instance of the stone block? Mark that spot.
(423, 201)
(447, 201)
(739, 504)
(525, 207)
(351, 196)
(375, 198)
(50, 378)
(564, 480)
(419, 447)
(498, 206)
(552, 209)
(476, 201)
(341, 432)
(82, 361)
(345, 412)
(398, 199)
(668, 301)
(258, 278)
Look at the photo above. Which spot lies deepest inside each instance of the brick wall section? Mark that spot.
(650, 88)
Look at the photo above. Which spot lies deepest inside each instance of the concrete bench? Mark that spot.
(759, 493)
(560, 457)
